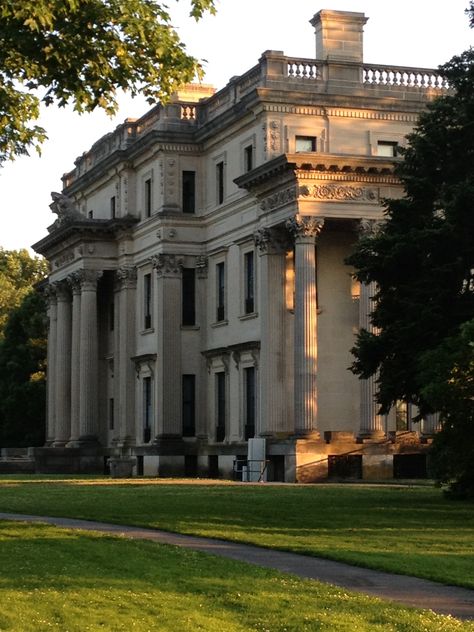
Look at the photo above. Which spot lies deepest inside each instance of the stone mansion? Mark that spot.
(199, 303)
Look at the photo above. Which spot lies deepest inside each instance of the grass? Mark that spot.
(407, 530)
(72, 581)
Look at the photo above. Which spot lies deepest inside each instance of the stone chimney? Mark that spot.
(339, 35)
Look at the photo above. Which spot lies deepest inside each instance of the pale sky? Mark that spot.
(423, 33)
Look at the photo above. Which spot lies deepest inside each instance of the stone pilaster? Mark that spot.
(202, 268)
(89, 359)
(74, 281)
(168, 272)
(63, 365)
(51, 365)
(125, 349)
(271, 249)
(305, 230)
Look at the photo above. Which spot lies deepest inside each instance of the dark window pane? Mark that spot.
(147, 300)
(249, 282)
(220, 182)
(148, 198)
(189, 191)
(146, 409)
(221, 407)
(189, 407)
(250, 402)
(248, 157)
(188, 297)
(220, 273)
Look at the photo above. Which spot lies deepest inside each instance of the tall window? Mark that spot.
(147, 301)
(387, 148)
(111, 413)
(249, 377)
(189, 405)
(111, 315)
(220, 406)
(147, 197)
(189, 191)
(112, 207)
(220, 182)
(249, 282)
(188, 297)
(248, 158)
(220, 279)
(305, 143)
(147, 410)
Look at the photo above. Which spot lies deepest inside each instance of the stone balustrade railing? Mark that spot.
(376, 74)
(303, 68)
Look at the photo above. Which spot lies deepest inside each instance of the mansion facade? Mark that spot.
(201, 314)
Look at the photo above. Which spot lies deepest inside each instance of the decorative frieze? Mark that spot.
(369, 227)
(167, 264)
(280, 198)
(339, 193)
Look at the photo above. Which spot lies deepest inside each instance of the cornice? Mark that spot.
(341, 112)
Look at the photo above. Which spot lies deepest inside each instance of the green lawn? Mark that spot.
(72, 581)
(408, 530)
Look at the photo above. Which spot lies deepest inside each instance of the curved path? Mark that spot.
(410, 591)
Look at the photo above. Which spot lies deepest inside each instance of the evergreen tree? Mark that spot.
(422, 260)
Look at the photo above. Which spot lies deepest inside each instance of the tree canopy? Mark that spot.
(82, 52)
(422, 260)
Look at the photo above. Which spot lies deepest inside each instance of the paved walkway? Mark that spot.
(410, 591)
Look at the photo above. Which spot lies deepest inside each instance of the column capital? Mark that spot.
(62, 290)
(369, 227)
(74, 280)
(50, 294)
(167, 265)
(270, 241)
(202, 266)
(126, 277)
(305, 228)
(88, 279)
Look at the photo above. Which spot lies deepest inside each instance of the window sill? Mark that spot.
(248, 316)
(220, 323)
(190, 327)
(150, 330)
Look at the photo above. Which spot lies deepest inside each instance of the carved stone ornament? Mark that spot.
(50, 293)
(65, 257)
(369, 227)
(62, 289)
(65, 209)
(270, 241)
(305, 227)
(126, 276)
(167, 265)
(202, 265)
(339, 193)
(279, 199)
(74, 280)
(89, 278)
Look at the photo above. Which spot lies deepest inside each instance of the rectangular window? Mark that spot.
(220, 406)
(189, 405)
(248, 158)
(188, 302)
(147, 197)
(147, 410)
(305, 143)
(189, 191)
(249, 275)
(147, 301)
(387, 148)
(111, 414)
(112, 207)
(220, 182)
(249, 377)
(220, 281)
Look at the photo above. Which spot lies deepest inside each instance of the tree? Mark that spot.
(422, 260)
(19, 272)
(82, 51)
(22, 374)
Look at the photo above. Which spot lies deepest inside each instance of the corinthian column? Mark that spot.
(168, 271)
(75, 283)
(271, 248)
(51, 365)
(63, 365)
(125, 378)
(305, 231)
(88, 359)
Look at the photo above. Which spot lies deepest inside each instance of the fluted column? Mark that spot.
(271, 249)
(430, 424)
(63, 365)
(88, 359)
(75, 283)
(51, 365)
(124, 368)
(168, 272)
(305, 231)
(371, 423)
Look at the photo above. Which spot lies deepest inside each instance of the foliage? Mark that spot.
(422, 260)
(19, 272)
(59, 579)
(82, 51)
(406, 530)
(22, 375)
